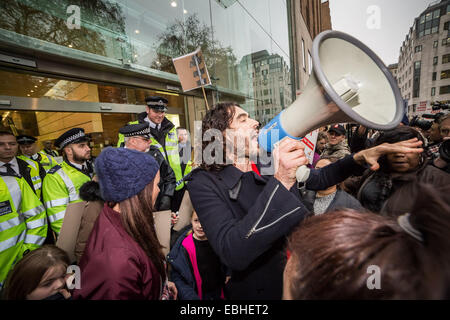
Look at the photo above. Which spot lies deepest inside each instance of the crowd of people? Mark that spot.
(371, 200)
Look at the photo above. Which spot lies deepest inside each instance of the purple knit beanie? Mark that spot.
(123, 173)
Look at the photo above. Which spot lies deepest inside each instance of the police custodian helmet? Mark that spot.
(157, 103)
(74, 135)
(137, 129)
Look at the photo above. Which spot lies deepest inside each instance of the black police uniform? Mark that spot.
(167, 182)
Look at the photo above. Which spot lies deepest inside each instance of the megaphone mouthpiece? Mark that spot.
(347, 88)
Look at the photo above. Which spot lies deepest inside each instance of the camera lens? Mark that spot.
(422, 124)
(444, 151)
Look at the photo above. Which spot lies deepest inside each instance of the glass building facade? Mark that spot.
(245, 44)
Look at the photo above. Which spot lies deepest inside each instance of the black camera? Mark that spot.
(444, 151)
(439, 105)
(422, 124)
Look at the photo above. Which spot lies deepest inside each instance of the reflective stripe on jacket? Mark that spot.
(23, 224)
(34, 174)
(187, 170)
(47, 161)
(170, 152)
(61, 186)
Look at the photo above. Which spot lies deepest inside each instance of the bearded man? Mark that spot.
(62, 183)
(247, 212)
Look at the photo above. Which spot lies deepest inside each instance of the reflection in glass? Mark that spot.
(101, 31)
(240, 40)
(185, 36)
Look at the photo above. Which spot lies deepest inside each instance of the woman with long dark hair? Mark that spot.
(348, 254)
(123, 257)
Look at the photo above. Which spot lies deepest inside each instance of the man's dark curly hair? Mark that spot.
(219, 117)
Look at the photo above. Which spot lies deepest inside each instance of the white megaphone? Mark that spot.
(349, 83)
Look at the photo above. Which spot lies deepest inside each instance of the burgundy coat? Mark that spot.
(114, 266)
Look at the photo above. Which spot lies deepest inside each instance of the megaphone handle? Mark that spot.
(302, 173)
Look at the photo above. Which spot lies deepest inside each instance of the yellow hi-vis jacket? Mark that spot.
(34, 174)
(46, 161)
(61, 186)
(23, 223)
(169, 151)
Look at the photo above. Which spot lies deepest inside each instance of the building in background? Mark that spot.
(423, 74)
(308, 19)
(393, 68)
(91, 63)
(271, 84)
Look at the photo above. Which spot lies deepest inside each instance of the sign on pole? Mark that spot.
(309, 142)
(192, 71)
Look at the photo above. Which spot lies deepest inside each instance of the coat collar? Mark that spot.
(231, 175)
(340, 146)
(166, 124)
(70, 164)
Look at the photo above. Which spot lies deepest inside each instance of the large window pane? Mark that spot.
(446, 58)
(236, 38)
(258, 32)
(31, 86)
(436, 13)
(444, 90)
(100, 30)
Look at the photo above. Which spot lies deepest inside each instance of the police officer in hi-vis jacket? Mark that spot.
(164, 137)
(62, 182)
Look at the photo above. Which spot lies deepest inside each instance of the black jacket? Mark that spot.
(247, 217)
(180, 272)
(159, 135)
(25, 172)
(360, 142)
(168, 181)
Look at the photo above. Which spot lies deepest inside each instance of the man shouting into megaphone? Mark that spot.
(247, 216)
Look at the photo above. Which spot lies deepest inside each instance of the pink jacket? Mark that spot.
(188, 244)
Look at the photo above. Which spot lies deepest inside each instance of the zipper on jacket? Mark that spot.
(254, 230)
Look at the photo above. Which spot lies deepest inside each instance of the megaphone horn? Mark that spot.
(349, 83)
